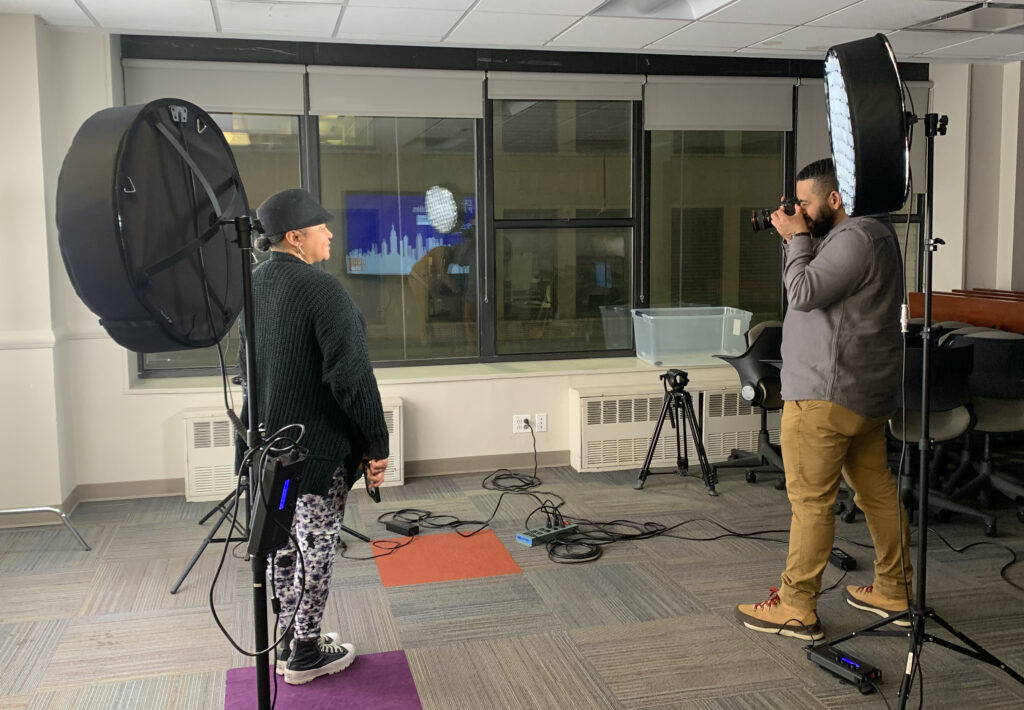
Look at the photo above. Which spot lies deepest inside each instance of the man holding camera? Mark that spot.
(840, 382)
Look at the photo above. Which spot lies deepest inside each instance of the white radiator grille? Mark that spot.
(209, 456)
(615, 431)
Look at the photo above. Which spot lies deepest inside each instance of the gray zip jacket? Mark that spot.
(841, 336)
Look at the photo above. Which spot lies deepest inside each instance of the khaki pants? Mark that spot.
(820, 441)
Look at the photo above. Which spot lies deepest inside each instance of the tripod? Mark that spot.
(227, 506)
(677, 407)
(918, 613)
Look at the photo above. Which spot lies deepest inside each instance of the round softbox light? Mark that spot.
(139, 206)
(867, 125)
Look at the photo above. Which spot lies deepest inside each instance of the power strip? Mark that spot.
(538, 536)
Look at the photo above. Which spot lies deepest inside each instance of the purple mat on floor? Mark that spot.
(381, 681)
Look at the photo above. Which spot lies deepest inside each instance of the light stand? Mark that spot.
(918, 613)
(254, 440)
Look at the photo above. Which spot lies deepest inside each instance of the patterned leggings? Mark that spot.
(316, 526)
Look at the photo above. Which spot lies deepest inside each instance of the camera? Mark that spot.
(676, 379)
(762, 219)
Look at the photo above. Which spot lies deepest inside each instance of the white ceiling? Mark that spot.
(774, 28)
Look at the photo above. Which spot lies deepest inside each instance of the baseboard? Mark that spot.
(93, 492)
(482, 464)
(176, 486)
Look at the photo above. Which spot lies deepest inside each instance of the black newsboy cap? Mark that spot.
(290, 209)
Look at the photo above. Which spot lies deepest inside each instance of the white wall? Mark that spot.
(28, 416)
(951, 92)
(1010, 230)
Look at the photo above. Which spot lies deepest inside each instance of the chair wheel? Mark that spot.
(839, 507)
(850, 516)
(780, 485)
(751, 477)
(1020, 515)
(990, 530)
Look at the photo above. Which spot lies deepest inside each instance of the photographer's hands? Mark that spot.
(789, 225)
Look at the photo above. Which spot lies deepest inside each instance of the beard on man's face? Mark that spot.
(823, 223)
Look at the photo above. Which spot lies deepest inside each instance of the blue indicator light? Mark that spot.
(284, 494)
(846, 660)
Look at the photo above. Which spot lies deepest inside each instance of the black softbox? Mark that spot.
(139, 205)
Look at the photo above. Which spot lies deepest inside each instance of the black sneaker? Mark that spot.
(284, 650)
(311, 659)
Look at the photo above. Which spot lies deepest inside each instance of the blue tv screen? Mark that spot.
(386, 233)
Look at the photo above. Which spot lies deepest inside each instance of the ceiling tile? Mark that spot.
(502, 29)
(989, 46)
(891, 15)
(614, 32)
(660, 9)
(814, 38)
(908, 42)
(58, 13)
(724, 35)
(396, 24)
(539, 7)
(794, 12)
(258, 18)
(179, 16)
(460, 5)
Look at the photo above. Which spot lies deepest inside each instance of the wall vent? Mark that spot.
(209, 456)
(613, 432)
(210, 452)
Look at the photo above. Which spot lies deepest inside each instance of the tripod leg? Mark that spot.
(646, 469)
(355, 533)
(682, 464)
(219, 506)
(707, 473)
(202, 546)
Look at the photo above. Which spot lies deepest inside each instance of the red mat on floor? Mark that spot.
(446, 557)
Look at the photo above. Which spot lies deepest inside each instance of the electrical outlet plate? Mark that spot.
(540, 422)
(519, 423)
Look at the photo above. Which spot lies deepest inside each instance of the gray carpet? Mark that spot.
(648, 625)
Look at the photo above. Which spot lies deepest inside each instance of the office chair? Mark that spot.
(761, 387)
(997, 398)
(949, 418)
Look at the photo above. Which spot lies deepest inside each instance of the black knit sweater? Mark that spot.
(313, 368)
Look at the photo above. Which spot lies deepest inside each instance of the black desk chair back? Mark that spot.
(761, 387)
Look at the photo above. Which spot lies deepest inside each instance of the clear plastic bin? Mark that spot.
(689, 336)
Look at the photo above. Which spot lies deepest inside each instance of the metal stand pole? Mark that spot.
(918, 612)
(253, 440)
(56, 511)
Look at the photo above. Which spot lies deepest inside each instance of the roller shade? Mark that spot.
(718, 104)
(579, 87)
(416, 93)
(812, 126)
(217, 87)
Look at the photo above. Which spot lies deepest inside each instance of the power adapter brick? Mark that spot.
(402, 527)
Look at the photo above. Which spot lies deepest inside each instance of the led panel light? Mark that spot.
(442, 209)
(867, 125)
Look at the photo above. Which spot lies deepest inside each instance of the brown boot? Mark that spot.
(774, 617)
(868, 599)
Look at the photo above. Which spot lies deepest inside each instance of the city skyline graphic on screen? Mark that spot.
(387, 233)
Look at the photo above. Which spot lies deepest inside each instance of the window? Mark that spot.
(415, 286)
(266, 149)
(564, 225)
(704, 185)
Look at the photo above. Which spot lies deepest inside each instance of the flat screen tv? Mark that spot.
(386, 233)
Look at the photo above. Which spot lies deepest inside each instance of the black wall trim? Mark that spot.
(397, 57)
